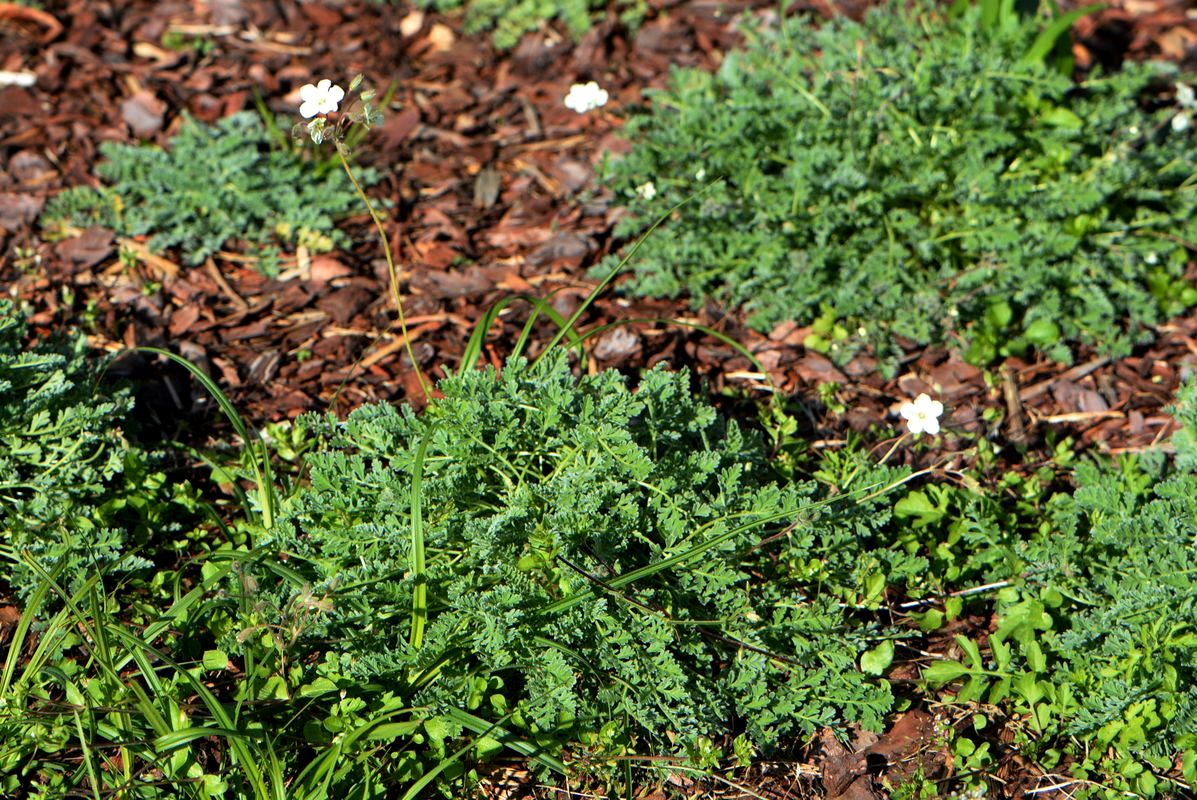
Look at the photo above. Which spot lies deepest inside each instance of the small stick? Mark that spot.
(1073, 374)
(1014, 413)
(927, 601)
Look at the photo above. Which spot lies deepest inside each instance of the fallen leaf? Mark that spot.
(143, 113)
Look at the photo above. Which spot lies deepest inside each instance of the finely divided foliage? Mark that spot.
(215, 186)
(607, 573)
(62, 445)
(1094, 654)
(919, 179)
(539, 491)
(76, 496)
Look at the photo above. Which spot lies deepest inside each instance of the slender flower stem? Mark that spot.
(391, 271)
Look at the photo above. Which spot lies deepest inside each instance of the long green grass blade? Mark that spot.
(597, 290)
(246, 758)
(1046, 40)
(259, 454)
(507, 738)
(698, 550)
(723, 337)
(473, 349)
(419, 596)
(88, 757)
(17, 643)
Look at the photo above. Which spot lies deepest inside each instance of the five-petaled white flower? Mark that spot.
(1186, 97)
(647, 190)
(922, 416)
(320, 99)
(585, 97)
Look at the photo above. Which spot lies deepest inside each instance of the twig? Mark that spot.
(1073, 374)
(927, 601)
(1081, 416)
(228, 290)
(1014, 414)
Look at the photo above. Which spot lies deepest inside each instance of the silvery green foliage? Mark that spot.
(215, 185)
(1123, 641)
(1185, 438)
(539, 486)
(917, 178)
(61, 446)
(511, 19)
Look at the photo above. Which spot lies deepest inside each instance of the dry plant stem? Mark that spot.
(391, 272)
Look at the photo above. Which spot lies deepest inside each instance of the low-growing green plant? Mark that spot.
(599, 566)
(75, 494)
(510, 19)
(1094, 657)
(229, 182)
(586, 575)
(920, 177)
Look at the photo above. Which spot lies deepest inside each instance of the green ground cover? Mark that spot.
(591, 577)
(917, 176)
(217, 185)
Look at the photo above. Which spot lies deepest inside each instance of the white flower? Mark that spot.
(700, 175)
(922, 416)
(647, 190)
(320, 99)
(1186, 97)
(585, 97)
(1151, 258)
(1181, 122)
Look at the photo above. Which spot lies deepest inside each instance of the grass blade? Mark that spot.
(473, 349)
(594, 293)
(419, 597)
(1046, 40)
(263, 475)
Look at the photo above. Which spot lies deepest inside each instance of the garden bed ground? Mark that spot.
(492, 181)
(492, 178)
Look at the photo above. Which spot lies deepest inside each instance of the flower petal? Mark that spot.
(310, 108)
(336, 94)
(931, 425)
(323, 85)
(307, 92)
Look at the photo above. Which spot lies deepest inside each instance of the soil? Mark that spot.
(493, 192)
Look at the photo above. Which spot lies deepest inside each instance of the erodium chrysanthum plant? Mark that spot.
(922, 181)
(211, 188)
(594, 558)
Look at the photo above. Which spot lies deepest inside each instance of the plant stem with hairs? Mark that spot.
(391, 271)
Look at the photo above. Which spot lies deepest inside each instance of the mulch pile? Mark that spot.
(492, 182)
